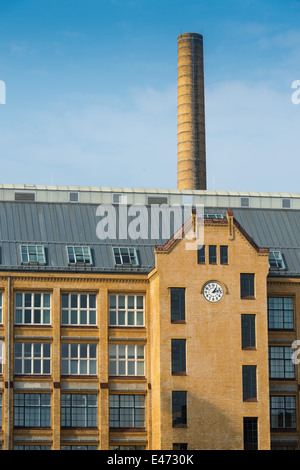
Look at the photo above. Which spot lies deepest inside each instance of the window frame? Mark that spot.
(280, 314)
(121, 413)
(78, 311)
(131, 255)
(28, 248)
(276, 257)
(285, 409)
(224, 256)
(126, 311)
(127, 360)
(249, 375)
(212, 254)
(178, 356)
(25, 413)
(76, 415)
(282, 363)
(72, 362)
(248, 289)
(30, 356)
(248, 330)
(179, 409)
(74, 258)
(32, 309)
(179, 314)
(250, 429)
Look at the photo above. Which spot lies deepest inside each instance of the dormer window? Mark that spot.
(276, 260)
(79, 255)
(33, 254)
(125, 256)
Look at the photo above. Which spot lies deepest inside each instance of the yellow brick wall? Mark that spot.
(213, 337)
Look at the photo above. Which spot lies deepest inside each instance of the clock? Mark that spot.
(213, 291)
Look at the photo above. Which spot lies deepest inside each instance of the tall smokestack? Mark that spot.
(191, 154)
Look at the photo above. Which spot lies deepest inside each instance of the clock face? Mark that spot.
(213, 292)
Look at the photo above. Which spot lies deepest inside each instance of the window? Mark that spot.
(78, 309)
(212, 251)
(180, 446)
(213, 216)
(34, 254)
(74, 197)
(245, 202)
(126, 310)
(126, 359)
(1, 410)
(1, 307)
(276, 260)
(178, 347)
(248, 331)
(2, 356)
(79, 410)
(79, 359)
(32, 358)
(125, 256)
(280, 313)
(247, 286)
(127, 411)
(283, 412)
(285, 203)
(281, 365)
(32, 410)
(201, 254)
(179, 409)
(34, 447)
(249, 383)
(85, 447)
(177, 304)
(32, 308)
(79, 255)
(224, 254)
(250, 434)
(127, 447)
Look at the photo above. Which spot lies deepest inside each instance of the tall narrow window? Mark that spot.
(250, 434)
(247, 285)
(212, 251)
(178, 347)
(179, 408)
(224, 254)
(1, 307)
(248, 331)
(177, 304)
(249, 383)
(201, 254)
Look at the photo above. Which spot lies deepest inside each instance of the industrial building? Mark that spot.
(126, 327)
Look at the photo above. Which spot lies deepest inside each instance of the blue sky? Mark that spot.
(91, 92)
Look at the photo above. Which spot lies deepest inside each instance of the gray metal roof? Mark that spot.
(57, 225)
